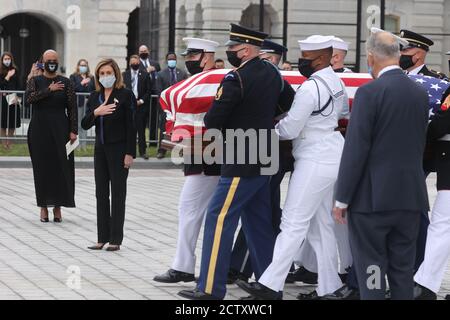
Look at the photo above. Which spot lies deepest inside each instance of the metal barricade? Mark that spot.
(16, 113)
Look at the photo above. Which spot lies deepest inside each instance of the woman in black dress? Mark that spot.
(111, 109)
(53, 124)
(10, 111)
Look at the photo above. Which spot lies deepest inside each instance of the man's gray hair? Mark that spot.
(383, 45)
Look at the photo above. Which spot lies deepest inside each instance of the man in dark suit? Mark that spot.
(381, 179)
(152, 67)
(167, 78)
(139, 82)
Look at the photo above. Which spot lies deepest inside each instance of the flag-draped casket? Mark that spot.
(187, 102)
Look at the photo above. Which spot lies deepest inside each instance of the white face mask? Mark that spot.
(7, 63)
(108, 81)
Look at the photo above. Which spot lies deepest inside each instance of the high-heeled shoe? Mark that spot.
(56, 219)
(97, 247)
(44, 220)
(113, 248)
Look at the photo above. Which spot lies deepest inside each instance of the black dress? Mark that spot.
(54, 118)
(10, 115)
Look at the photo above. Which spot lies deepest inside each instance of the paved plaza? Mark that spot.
(43, 261)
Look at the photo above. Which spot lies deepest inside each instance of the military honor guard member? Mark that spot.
(307, 258)
(200, 182)
(311, 124)
(412, 60)
(246, 101)
(437, 252)
(414, 55)
(340, 50)
(240, 260)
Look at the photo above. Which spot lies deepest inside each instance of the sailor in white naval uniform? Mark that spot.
(201, 179)
(317, 150)
(307, 257)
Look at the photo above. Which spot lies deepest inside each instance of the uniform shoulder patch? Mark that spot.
(230, 76)
(219, 93)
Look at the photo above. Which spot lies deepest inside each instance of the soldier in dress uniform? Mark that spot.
(414, 55)
(412, 60)
(201, 180)
(240, 263)
(311, 124)
(246, 102)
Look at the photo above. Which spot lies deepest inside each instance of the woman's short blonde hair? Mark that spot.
(119, 79)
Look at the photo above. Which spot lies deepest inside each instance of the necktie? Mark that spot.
(173, 77)
(134, 84)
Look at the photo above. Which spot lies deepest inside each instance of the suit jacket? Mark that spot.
(119, 127)
(144, 85)
(164, 78)
(381, 166)
(154, 74)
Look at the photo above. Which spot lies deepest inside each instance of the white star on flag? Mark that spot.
(421, 81)
(438, 101)
(435, 87)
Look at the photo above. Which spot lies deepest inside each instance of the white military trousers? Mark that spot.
(437, 250)
(307, 214)
(194, 199)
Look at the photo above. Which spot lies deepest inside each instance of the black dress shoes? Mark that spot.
(174, 276)
(343, 293)
(196, 294)
(233, 276)
(422, 293)
(259, 291)
(308, 296)
(302, 275)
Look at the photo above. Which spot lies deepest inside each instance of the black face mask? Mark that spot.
(144, 56)
(406, 62)
(233, 58)
(305, 67)
(51, 66)
(194, 66)
(135, 67)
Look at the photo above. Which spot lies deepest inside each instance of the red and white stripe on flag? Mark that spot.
(187, 102)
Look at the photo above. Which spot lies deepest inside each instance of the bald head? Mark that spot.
(50, 55)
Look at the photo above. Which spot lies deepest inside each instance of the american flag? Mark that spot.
(187, 102)
(435, 87)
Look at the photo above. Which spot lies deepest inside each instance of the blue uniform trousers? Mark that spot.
(234, 198)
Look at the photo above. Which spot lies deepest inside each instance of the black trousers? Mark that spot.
(110, 174)
(141, 124)
(384, 243)
(240, 258)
